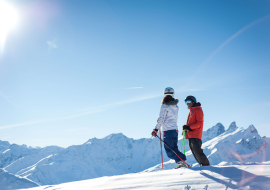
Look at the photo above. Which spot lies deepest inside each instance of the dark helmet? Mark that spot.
(192, 98)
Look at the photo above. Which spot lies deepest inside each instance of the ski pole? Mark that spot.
(161, 150)
(174, 152)
(184, 134)
(185, 142)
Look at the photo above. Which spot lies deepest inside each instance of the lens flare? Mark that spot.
(247, 178)
(8, 20)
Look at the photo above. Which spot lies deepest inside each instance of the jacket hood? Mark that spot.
(172, 102)
(197, 104)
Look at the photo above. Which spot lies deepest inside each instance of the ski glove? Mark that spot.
(187, 128)
(154, 132)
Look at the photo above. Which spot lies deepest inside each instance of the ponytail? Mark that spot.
(167, 99)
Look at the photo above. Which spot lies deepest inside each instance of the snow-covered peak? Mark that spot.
(220, 128)
(252, 129)
(251, 132)
(232, 127)
(111, 137)
(213, 132)
(4, 145)
(115, 136)
(90, 141)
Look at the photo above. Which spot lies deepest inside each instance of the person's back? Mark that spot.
(168, 119)
(168, 114)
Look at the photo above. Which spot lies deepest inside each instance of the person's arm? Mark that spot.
(199, 120)
(162, 116)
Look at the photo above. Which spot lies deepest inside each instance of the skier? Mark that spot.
(194, 128)
(168, 119)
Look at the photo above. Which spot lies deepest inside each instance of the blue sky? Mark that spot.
(71, 71)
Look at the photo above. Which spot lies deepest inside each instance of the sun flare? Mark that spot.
(8, 20)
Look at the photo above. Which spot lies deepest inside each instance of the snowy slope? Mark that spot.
(242, 177)
(9, 181)
(15, 159)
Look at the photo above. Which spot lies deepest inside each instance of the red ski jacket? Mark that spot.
(195, 122)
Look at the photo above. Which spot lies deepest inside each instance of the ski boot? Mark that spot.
(180, 164)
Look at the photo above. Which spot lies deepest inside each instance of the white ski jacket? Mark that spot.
(168, 116)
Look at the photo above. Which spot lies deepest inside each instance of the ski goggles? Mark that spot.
(188, 101)
(168, 93)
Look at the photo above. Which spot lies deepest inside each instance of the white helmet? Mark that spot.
(169, 91)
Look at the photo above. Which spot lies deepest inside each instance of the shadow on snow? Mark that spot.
(241, 177)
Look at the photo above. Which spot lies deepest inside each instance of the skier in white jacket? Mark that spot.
(168, 119)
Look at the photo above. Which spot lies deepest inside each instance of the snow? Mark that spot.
(243, 177)
(6, 151)
(9, 181)
(117, 154)
(213, 132)
(4, 145)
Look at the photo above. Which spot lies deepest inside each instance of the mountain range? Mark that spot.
(117, 154)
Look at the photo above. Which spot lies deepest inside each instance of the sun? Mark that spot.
(8, 20)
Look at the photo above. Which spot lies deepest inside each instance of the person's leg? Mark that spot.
(190, 143)
(175, 147)
(170, 138)
(195, 146)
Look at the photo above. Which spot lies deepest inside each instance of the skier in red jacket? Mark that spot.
(194, 128)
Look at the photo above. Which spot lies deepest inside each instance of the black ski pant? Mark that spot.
(195, 147)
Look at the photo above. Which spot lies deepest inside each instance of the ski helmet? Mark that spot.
(169, 91)
(192, 98)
